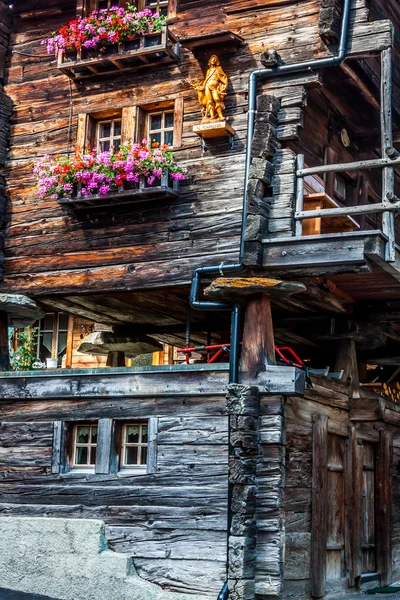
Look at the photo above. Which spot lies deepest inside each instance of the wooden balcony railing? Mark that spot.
(129, 193)
(144, 51)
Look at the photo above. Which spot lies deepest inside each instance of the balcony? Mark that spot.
(145, 51)
(130, 193)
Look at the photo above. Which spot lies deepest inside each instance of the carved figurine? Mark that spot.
(212, 91)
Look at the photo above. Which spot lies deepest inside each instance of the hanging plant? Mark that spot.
(104, 27)
(100, 172)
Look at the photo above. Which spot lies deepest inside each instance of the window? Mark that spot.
(160, 127)
(160, 6)
(84, 446)
(52, 338)
(134, 447)
(109, 134)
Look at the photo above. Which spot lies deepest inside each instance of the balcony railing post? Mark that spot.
(387, 142)
(298, 226)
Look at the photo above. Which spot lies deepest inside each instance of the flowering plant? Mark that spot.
(103, 172)
(104, 27)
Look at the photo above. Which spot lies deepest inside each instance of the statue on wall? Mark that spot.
(212, 91)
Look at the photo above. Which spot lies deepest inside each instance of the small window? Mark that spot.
(160, 6)
(84, 446)
(52, 338)
(109, 134)
(134, 446)
(160, 127)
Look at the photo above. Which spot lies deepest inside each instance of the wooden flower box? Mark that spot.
(129, 193)
(144, 51)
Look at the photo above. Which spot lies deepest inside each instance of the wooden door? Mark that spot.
(368, 510)
(335, 549)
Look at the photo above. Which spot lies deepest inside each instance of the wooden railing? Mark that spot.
(128, 193)
(144, 51)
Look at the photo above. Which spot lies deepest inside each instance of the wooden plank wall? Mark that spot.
(172, 522)
(62, 252)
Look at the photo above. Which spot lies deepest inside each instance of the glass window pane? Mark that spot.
(47, 341)
(117, 128)
(155, 122)
(169, 138)
(93, 453)
(103, 4)
(82, 436)
(132, 434)
(81, 455)
(47, 322)
(143, 456)
(105, 130)
(94, 435)
(144, 434)
(131, 455)
(117, 144)
(62, 321)
(169, 120)
(104, 146)
(62, 342)
(155, 138)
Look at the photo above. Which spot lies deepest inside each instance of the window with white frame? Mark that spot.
(134, 445)
(160, 127)
(84, 449)
(52, 336)
(160, 6)
(109, 134)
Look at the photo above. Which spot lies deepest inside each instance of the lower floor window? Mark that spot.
(134, 445)
(85, 445)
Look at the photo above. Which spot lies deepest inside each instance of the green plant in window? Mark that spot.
(24, 357)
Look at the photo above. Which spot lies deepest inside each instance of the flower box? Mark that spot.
(142, 51)
(130, 192)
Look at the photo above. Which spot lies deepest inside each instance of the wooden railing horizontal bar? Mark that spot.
(353, 166)
(347, 210)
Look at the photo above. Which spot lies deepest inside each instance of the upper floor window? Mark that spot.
(109, 134)
(52, 337)
(165, 7)
(84, 446)
(160, 6)
(160, 127)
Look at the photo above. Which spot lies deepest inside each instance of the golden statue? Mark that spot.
(212, 90)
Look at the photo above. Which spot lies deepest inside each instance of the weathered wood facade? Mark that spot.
(280, 485)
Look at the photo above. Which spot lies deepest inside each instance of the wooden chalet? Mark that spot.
(222, 418)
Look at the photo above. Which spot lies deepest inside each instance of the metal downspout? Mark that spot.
(239, 267)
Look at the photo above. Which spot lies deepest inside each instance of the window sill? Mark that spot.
(128, 472)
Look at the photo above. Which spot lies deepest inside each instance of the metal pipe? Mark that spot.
(239, 267)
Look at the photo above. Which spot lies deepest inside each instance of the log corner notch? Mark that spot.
(329, 21)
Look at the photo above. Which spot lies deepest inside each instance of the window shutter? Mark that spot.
(152, 445)
(86, 132)
(105, 444)
(128, 130)
(178, 122)
(59, 459)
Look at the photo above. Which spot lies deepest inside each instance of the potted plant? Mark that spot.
(104, 28)
(102, 173)
(25, 357)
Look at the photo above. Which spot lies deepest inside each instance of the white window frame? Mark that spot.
(55, 331)
(156, 6)
(139, 445)
(75, 445)
(112, 137)
(163, 129)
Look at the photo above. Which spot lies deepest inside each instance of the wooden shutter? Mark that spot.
(86, 131)
(61, 439)
(128, 128)
(105, 445)
(152, 445)
(178, 122)
(384, 506)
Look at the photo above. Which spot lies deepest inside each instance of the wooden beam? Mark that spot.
(346, 361)
(386, 142)
(245, 286)
(384, 507)
(319, 525)
(258, 349)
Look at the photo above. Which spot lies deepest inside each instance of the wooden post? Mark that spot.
(298, 227)
(386, 142)
(116, 359)
(319, 526)
(258, 349)
(353, 491)
(384, 507)
(346, 361)
(4, 349)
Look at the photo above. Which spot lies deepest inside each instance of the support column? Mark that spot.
(258, 349)
(243, 405)
(346, 361)
(387, 142)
